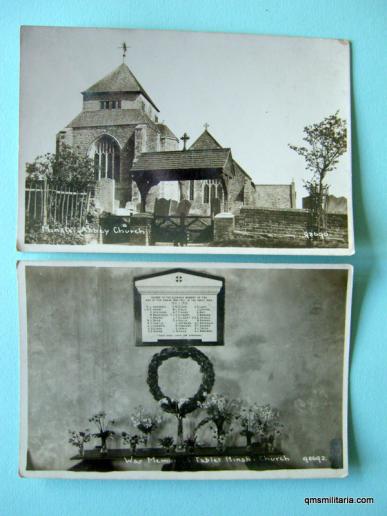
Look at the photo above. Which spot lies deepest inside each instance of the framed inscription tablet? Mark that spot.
(179, 307)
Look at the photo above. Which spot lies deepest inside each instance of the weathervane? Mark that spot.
(124, 47)
(206, 126)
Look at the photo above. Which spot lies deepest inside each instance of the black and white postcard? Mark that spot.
(191, 142)
(146, 371)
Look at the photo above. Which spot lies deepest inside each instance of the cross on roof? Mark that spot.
(185, 138)
(124, 47)
(206, 126)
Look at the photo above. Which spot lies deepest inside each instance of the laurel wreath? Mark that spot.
(182, 407)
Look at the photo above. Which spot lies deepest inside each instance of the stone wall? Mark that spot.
(275, 196)
(130, 138)
(224, 225)
(287, 223)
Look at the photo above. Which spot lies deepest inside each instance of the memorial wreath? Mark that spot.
(181, 407)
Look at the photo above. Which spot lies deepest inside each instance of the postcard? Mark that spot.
(189, 142)
(215, 371)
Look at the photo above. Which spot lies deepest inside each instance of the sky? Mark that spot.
(257, 93)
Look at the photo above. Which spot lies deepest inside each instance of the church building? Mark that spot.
(138, 157)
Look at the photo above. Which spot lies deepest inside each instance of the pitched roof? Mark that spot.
(182, 160)
(119, 80)
(165, 132)
(107, 117)
(205, 141)
(236, 165)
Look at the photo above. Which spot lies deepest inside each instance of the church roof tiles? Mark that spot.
(207, 141)
(166, 132)
(110, 117)
(182, 160)
(119, 80)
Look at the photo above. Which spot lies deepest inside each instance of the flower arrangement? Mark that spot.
(146, 422)
(221, 411)
(167, 442)
(262, 422)
(132, 440)
(103, 432)
(191, 443)
(79, 439)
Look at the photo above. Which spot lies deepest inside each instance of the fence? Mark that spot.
(47, 204)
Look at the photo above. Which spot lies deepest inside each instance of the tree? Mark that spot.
(66, 166)
(326, 142)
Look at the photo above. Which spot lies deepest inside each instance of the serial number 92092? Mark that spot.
(314, 234)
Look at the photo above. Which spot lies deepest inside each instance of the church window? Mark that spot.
(191, 190)
(110, 104)
(206, 194)
(103, 165)
(213, 192)
(110, 165)
(105, 153)
(96, 166)
(213, 189)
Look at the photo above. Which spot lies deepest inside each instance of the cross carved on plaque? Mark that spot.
(179, 278)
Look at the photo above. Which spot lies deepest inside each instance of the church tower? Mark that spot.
(118, 122)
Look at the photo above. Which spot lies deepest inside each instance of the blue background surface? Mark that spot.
(364, 23)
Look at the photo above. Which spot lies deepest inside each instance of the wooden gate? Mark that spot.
(182, 230)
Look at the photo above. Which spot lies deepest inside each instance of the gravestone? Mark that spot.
(162, 207)
(172, 207)
(179, 307)
(183, 208)
(104, 195)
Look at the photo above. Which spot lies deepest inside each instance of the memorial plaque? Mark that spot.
(179, 307)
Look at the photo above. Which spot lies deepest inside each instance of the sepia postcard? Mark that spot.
(146, 371)
(189, 142)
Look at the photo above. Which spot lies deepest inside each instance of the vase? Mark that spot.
(221, 444)
(179, 439)
(103, 449)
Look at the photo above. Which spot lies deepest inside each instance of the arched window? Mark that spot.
(213, 192)
(105, 153)
(206, 194)
(191, 190)
(96, 166)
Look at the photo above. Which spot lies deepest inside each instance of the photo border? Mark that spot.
(156, 475)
